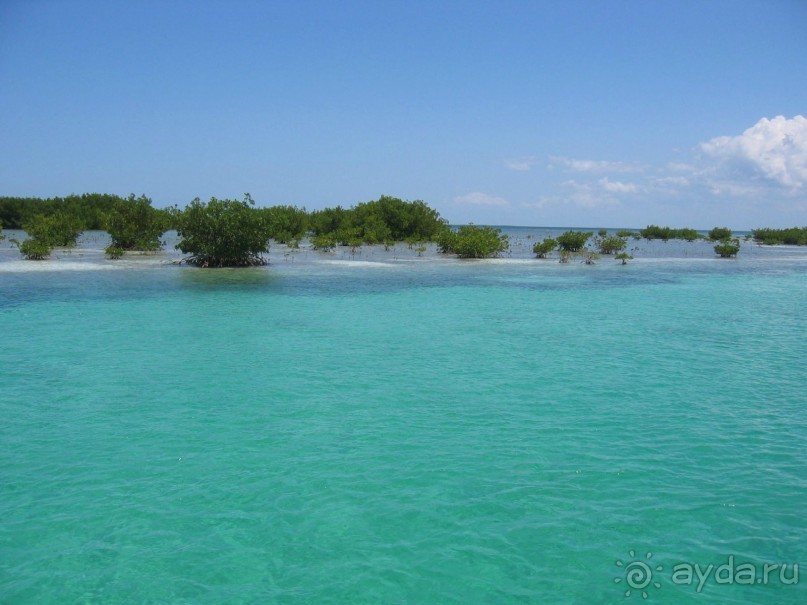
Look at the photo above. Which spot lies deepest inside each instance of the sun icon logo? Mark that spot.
(638, 574)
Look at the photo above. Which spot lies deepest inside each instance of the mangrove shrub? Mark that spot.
(88, 208)
(728, 248)
(286, 223)
(34, 249)
(573, 241)
(471, 241)
(668, 233)
(795, 236)
(133, 224)
(223, 233)
(541, 249)
(55, 230)
(719, 233)
(386, 219)
(610, 244)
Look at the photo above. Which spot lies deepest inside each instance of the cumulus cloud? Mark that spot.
(481, 199)
(774, 150)
(599, 166)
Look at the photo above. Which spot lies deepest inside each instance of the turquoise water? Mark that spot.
(392, 429)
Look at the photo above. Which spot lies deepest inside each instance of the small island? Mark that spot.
(238, 233)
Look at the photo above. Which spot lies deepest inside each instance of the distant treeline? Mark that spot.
(795, 236)
(89, 208)
(387, 219)
(668, 233)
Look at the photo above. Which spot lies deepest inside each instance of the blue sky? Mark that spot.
(577, 113)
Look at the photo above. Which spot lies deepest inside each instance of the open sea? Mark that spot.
(388, 428)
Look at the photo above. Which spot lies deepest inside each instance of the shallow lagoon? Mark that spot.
(388, 428)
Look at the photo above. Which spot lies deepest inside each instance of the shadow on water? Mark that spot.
(249, 278)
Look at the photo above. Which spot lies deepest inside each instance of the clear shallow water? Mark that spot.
(395, 429)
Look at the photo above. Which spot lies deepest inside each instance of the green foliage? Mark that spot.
(374, 230)
(728, 248)
(34, 249)
(348, 236)
(610, 244)
(572, 241)
(412, 241)
(667, 233)
(566, 256)
(383, 220)
(720, 233)
(656, 232)
(2, 237)
(541, 249)
(223, 233)
(471, 241)
(404, 219)
(602, 232)
(794, 236)
(286, 223)
(326, 243)
(688, 234)
(114, 252)
(329, 220)
(624, 257)
(625, 233)
(89, 209)
(589, 256)
(134, 225)
(55, 230)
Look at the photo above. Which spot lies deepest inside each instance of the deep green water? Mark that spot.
(410, 431)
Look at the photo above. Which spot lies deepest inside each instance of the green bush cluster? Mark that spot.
(610, 244)
(727, 248)
(471, 241)
(719, 234)
(46, 232)
(668, 233)
(387, 219)
(211, 233)
(34, 249)
(286, 223)
(223, 233)
(89, 208)
(56, 230)
(133, 224)
(545, 247)
(573, 241)
(795, 236)
(324, 242)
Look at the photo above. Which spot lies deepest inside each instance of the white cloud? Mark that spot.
(672, 181)
(592, 165)
(774, 150)
(617, 186)
(481, 199)
(583, 195)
